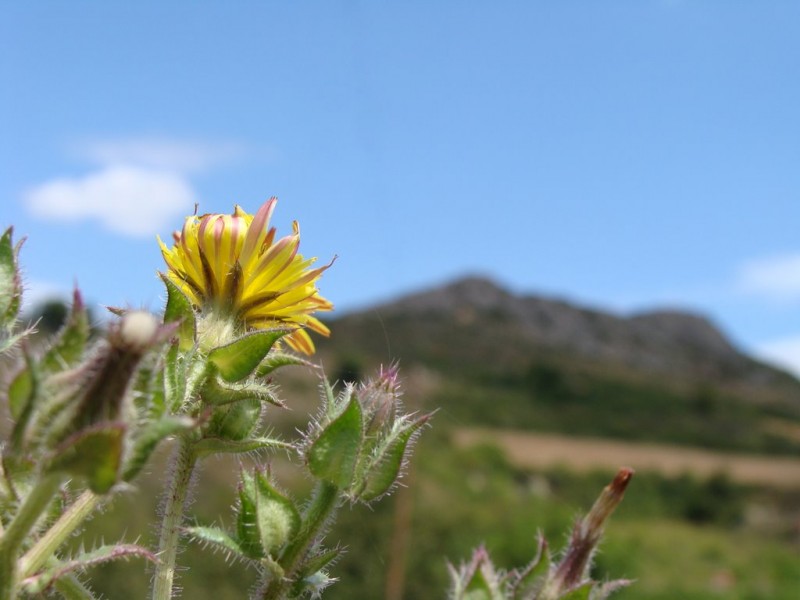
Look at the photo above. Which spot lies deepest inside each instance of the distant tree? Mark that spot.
(50, 315)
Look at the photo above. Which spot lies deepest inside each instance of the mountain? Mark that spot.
(476, 323)
(490, 357)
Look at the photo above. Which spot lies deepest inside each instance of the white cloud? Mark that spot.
(784, 352)
(132, 201)
(776, 278)
(160, 153)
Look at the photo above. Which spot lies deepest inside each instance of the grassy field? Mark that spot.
(541, 451)
(680, 536)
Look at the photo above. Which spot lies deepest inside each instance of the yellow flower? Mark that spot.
(230, 266)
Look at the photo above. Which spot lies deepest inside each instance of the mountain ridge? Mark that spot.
(476, 310)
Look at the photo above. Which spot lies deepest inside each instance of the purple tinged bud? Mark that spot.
(573, 568)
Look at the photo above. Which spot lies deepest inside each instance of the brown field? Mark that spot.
(539, 450)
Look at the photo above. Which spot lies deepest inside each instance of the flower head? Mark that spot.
(232, 266)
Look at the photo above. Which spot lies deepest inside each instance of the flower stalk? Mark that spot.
(20, 527)
(65, 526)
(320, 511)
(183, 468)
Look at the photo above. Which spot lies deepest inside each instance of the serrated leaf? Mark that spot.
(276, 360)
(179, 308)
(240, 358)
(149, 437)
(217, 538)
(68, 348)
(213, 445)
(247, 533)
(38, 583)
(334, 454)
(385, 470)
(94, 453)
(278, 518)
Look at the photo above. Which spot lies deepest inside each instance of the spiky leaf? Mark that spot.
(38, 583)
(10, 287)
(218, 392)
(276, 360)
(22, 389)
(531, 579)
(247, 532)
(240, 358)
(235, 421)
(334, 454)
(179, 308)
(69, 346)
(278, 518)
(213, 445)
(149, 437)
(582, 592)
(217, 538)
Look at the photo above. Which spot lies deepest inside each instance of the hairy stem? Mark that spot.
(322, 506)
(14, 536)
(171, 520)
(67, 523)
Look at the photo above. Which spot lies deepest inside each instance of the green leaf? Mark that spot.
(276, 360)
(334, 454)
(212, 445)
(240, 358)
(217, 538)
(39, 583)
(22, 397)
(235, 421)
(385, 469)
(20, 391)
(532, 578)
(149, 437)
(278, 518)
(247, 532)
(319, 561)
(94, 453)
(218, 392)
(174, 378)
(10, 285)
(179, 308)
(582, 592)
(68, 348)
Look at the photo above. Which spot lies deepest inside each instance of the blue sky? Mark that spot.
(623, 155)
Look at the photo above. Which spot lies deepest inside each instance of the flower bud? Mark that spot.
(109, 374)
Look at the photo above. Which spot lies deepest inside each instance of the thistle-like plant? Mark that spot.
(567, 578)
